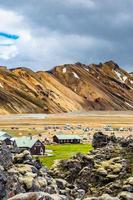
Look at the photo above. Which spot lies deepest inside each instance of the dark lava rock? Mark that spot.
(5, 157)
(100, 140)
(104, 170)
(106, 173)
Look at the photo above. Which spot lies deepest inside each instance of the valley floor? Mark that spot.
(92, 119)
(44, 124)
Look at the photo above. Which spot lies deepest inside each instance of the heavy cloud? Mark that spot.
(54, 32)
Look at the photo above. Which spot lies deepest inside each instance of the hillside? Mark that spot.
(66, 88)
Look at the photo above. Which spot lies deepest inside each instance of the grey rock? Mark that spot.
(37, 196)
(61, 183)
(126, 196)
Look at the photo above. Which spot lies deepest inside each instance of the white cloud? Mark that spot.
(5, 41)
(86, 31)
(7, 52)
(55, 48)
(12, 23)
(48, 48)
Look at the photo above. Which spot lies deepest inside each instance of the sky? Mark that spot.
(41, 34)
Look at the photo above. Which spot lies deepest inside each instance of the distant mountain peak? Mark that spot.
(66, 88)
(112, 64)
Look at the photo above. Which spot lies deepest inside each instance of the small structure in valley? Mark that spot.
(62, 138)
(6, 138)
(36, 147)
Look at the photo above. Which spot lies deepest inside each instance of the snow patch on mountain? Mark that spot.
(75, 75)
(64, 70)
(1, 85)
(87, 69)
(118, 75)
(121, 78)
(125, 78)
(129, 104)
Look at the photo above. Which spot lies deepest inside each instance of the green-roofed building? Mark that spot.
(36, 147)
(64, 138)
(4, 133)
(5, 138)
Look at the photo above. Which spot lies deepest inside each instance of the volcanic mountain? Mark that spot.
(66, 88)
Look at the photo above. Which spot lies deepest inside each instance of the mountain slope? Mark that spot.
(66, 88)
(105, 86)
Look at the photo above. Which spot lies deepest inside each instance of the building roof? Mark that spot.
(25, 141)
(5, 134)
(67, 137)
(3, 137)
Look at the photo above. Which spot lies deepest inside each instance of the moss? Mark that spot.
(64, 151)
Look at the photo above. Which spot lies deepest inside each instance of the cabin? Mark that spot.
(35, 146)
(6, 138)
(4, 133)
(62, 138)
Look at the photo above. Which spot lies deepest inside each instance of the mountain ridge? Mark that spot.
(66, 88)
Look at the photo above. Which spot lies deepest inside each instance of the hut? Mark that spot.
(36, 147)
(5, 137)
(62, 138)
(4, 133)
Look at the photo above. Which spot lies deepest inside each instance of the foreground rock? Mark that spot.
(23, 178)
(37, 196)
(106, 172)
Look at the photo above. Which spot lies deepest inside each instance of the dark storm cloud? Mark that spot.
(77, 30)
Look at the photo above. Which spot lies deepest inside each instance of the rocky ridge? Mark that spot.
(66, 88)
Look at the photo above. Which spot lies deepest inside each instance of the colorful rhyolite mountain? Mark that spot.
(66, 88)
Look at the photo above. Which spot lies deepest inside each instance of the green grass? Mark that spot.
(64, 151)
